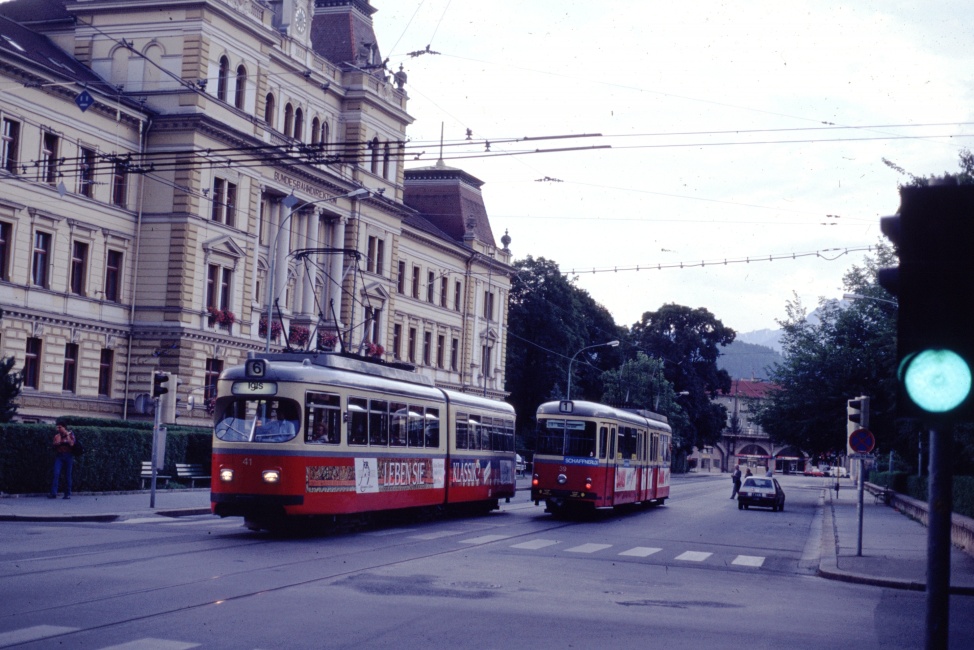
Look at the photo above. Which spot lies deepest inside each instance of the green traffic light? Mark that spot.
(938, 381)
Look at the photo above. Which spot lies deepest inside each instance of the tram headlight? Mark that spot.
(226, 475)
(271, 475)
(588, 484)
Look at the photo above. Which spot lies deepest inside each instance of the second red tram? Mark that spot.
(590, 456)
(331, 436)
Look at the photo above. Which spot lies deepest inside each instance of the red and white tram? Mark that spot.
(332, 436)
(591, 456)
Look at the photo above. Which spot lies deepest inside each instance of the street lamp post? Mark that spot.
(291, 203)
(859, 296)
(610, 344)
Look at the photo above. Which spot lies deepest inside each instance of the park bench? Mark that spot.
(192, 472)
(146, 475)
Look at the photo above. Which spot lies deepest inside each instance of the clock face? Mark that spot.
(300, 20)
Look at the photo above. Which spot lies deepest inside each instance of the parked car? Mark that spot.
(761, 491)
(519, 464)
(813, 471)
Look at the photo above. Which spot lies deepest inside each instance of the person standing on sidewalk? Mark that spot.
(63, 459)
(736, 478)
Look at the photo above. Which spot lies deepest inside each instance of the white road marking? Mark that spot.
(588, 548)
(535, 544)
(442, 533)
(484, 539)
(641, 551)
(693, 556)
(149, 643)
(34, 633)
(748, 560)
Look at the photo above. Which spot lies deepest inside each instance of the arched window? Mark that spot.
(221, 79)
(152, 75)
(374, 145)
(298, 125)
(385, 161)
(324, 132)
(269, 108)
(288, 120)
(240, 92)
(315, 131)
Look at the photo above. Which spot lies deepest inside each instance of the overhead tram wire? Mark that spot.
(823, 253)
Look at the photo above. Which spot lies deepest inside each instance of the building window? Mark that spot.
(119, 184)
(440, 350)
(375, 254)
(49, 161)
(213, 369)
(485, 352)
(489, 305)
(10, 145)
(427, 348)
(430, 286)
(298, 124)
(415, 286)
(218, 282)
(315, 131)
(79, 267)
(41, 259)
(401, 278)
(70, 377)
(288, 120)
(374, 146)
(32, 363)
(385, 161)
(411, 345)
(224, 201)
(105, 373)
(457, 293)
(113, 276)
(372, 328)
(444, 284)
(455, 354)
(240, 92)
(222, 79)
(86, 172)
(396, 341)
(5, 248)
(269, 108)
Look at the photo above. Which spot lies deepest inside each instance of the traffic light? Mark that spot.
(167, 404)
(159, 380)
(934, 236)
(857, 412)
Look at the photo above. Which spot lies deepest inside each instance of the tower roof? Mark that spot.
(451, 200)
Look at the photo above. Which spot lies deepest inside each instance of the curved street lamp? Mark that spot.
(610, 344)
(291, 203)
(859, 296)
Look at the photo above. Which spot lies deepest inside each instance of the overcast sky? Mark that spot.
(737, 130)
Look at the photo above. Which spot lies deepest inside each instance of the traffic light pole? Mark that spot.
(938, 537)
(155, 436)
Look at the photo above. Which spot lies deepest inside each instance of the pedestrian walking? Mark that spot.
(736, 478)
(63, 459)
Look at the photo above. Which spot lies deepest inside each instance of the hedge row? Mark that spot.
(916, 487)
(114, 452)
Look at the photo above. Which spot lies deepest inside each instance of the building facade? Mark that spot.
(187, 182)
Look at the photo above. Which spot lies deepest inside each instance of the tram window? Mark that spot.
(397, 432)
(627, 443)
(324, 418)
(461, 431)
(580, 441)
(487, 433)
(612, 443)
(474, 428)
(432, 427)
(259, 420)
(667, 446)
(641, 442)
(378, 423)
(358, 421)
(654, 448)
(415, 426)
(507, 435)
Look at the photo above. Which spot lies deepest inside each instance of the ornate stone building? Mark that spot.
(186, 182)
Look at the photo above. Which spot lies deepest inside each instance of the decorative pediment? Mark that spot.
(489, 335)
(375, 292)
(223, 246)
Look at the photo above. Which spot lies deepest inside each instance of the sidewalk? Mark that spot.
(894, 547)
(101, 506)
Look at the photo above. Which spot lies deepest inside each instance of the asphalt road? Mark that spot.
(694, 573)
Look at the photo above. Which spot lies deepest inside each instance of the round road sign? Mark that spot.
(862, 441)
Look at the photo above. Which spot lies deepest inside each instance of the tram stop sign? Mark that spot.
(862, 441)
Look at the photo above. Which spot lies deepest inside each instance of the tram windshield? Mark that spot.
(244, 419)
(566, 437)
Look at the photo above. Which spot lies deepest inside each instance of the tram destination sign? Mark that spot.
(254, 387)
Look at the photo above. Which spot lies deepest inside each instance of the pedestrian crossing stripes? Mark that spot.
(42, 632)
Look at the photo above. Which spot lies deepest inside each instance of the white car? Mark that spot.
(519, 465)
(761, 491)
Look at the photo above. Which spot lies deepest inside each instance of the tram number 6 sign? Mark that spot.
(862, 441)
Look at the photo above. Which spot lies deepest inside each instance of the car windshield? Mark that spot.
(764, 483)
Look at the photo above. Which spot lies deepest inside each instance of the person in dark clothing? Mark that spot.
(63, 459)
(736, 478)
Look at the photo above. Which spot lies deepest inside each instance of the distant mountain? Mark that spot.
(744, 360)
(765, 337)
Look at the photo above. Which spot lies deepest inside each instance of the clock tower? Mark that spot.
(293, 17)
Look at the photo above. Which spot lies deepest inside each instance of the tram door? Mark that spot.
(607, 452)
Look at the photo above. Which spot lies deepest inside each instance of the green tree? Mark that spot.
(688, 341)
(549, 320)
(841, 353)
(10, 383)
(640, 383)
